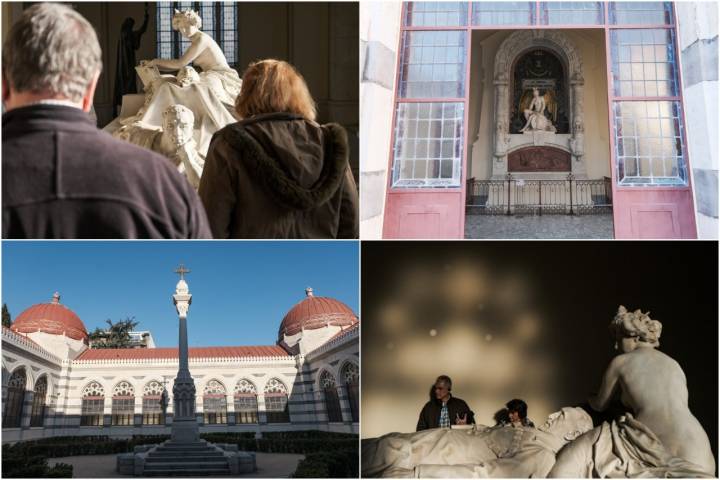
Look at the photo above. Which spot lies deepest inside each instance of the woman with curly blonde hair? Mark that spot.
(277, 173)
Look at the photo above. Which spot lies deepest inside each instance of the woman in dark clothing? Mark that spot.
(278, 173)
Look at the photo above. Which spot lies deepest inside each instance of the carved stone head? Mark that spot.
(187, 22)
(178, 123)
(635, 325)
(568, 423)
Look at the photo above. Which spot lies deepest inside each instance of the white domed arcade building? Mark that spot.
(54, 385)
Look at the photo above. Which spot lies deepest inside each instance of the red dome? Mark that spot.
(316, 312)
(53, 318)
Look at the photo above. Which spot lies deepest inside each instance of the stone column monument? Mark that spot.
(185, 454)
(184, 425)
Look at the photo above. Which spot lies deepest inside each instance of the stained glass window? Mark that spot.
(436, 14)
(649, 147)
(433, 64)
(219, 20)
(645, 13)
(503, 13)
(428, 144)
(643, 63)
(571, 13)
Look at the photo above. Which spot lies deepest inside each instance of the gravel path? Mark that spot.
(540, 226)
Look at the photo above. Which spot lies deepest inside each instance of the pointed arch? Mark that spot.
(276, 401)
(93, 404)
(214, 402)
(350, 375)
(37, 412)
(328, 387)
(17, 383)
(246, 405)
(152, 408)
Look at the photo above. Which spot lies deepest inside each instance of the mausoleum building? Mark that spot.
(54, 385)
(535, 108)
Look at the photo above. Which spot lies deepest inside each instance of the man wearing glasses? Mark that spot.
(443, 410)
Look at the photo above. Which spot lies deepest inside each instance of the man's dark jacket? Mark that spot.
(430, 414)
(64, 178)
(279, 175)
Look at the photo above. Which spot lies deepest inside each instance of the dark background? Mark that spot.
(572, 291)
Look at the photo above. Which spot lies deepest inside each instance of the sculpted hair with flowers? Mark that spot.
(272, 86)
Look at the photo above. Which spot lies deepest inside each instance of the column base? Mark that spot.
(184, 431)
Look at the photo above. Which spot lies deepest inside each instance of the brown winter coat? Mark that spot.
(279, 176)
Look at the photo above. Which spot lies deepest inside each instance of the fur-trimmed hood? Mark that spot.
(299, 163)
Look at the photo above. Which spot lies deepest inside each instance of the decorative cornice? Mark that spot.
(193, 361)
(23, 342)
(341, 338)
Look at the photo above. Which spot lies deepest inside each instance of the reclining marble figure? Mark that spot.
(482, 452)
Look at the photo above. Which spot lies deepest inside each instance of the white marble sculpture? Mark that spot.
(174, 140)
(663, 438)
(210, 94)
(536, 121)
(503, 451)
(542, 133)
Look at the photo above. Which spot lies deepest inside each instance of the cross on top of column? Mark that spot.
(181, 270)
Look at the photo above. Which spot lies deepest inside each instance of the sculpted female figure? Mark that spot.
(535, 115)
(210, 94)
(662, 437)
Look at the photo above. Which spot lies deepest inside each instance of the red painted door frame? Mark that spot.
(638, 212)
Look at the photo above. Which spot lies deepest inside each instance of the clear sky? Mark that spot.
(241, 290)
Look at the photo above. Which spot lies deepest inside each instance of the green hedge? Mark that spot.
(17, 465)
(340, 463)
(303, 442)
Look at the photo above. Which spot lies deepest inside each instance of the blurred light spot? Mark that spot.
(394, 317)
(417, 282)
(464, 286)
(488, 338)
(433, 332)
(480, 307)
(390, 345)
(527, 328)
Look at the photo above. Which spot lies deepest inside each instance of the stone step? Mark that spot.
(180, 458)
(186, 465)
(173, 451)
(186, 473)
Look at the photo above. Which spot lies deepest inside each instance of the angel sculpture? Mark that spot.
(535, 112)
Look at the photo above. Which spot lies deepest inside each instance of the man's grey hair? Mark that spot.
(51, 49)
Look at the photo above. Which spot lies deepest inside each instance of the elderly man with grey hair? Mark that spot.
(61, 176)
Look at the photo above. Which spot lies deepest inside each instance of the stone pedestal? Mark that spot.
(184, 431)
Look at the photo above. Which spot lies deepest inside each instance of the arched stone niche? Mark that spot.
(516, 45)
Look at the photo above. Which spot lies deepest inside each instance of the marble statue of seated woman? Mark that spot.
(174, 140)
(209, 94)
(507, 450)
(535, 115)
(662, 438)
